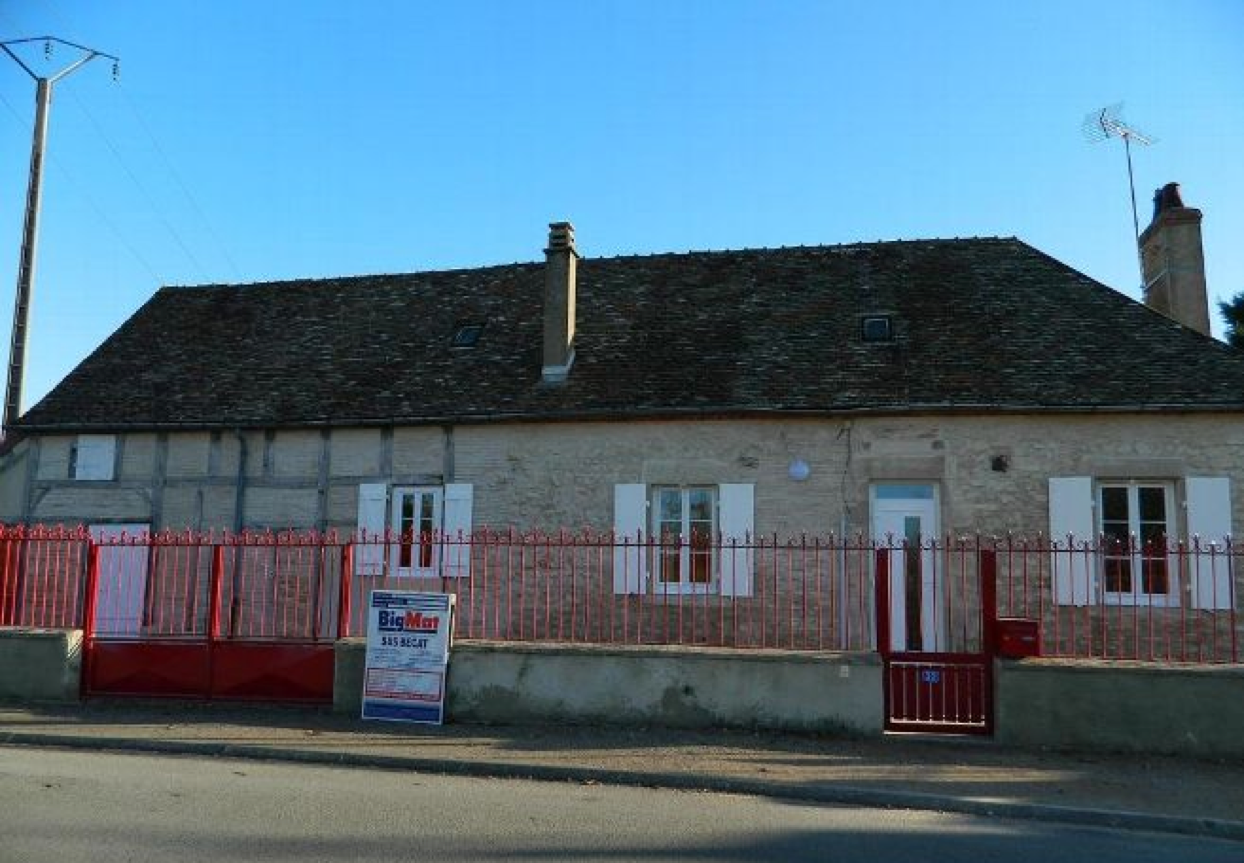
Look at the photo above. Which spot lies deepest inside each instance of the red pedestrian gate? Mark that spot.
(936, 649)
(246, 619)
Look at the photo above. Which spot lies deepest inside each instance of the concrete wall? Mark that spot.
(667, 686)
(1081, 704)
(40, 664)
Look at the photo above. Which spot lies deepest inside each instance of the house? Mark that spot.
(913, 388)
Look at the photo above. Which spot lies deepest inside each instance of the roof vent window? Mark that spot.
(467, 336)
(877, 328)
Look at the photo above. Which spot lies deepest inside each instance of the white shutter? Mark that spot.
(369, 547)
(1073, 570)
(630, 560)
(1209, 526)
(456, 559)
(96, 455)
(737, 520)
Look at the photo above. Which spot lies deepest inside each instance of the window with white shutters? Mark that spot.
(683, 539)
(1121, 542)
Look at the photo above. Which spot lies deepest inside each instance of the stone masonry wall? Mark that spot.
(991, 473)
(562, 475)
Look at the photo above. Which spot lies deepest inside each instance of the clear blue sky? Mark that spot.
(248, 141)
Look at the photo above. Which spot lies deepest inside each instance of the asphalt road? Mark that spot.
(94, 806)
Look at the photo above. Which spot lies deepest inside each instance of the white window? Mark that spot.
(1135, 527)
(429, 531)
(684, 539)
(684, 527)
(93, 457)
(416, 523)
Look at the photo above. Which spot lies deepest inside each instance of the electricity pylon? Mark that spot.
(30, 226)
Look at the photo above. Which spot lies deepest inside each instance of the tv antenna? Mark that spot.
(1108, 123)
(34, 193)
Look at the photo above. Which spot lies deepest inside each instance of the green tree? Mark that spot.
(1233, 315)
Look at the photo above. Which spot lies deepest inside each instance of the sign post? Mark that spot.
(408, 637)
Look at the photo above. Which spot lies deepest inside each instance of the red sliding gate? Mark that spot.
(246, 618)
(938, 669)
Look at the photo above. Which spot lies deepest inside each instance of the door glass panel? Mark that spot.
(911, 577)
(1153, 575)
(427, 524)
(1114, 504)
(1118, 574)
(670, 506)
(1152, 503)
(406, 526)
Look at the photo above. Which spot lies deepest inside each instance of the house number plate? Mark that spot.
(930, 675)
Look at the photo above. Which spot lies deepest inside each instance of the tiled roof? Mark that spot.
(988, 324)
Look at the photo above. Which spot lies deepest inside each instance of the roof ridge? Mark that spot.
(994, 238)
(484, 268)
(354, 277)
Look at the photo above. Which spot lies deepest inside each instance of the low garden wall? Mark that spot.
(676, 687)
(40, 664)
(1121, 706)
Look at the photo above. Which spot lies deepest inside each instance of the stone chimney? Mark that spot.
(1173, 261)
(561, 260)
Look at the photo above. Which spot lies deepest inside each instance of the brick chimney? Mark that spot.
(1173, 261)
(561, 260)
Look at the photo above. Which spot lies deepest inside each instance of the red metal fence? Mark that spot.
(43, 576)
(809, 593)
(1173, 603)
(1152, 602)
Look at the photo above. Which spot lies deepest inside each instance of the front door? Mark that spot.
(904, 517)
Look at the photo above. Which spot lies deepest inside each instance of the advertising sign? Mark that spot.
(408, 636)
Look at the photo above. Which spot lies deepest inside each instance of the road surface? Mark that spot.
(69, 806)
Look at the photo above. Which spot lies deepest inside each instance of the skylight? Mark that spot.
(877, 328)
(467, 336)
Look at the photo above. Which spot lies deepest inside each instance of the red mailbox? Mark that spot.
(1017, 637)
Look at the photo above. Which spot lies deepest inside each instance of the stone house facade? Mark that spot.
(910, 389)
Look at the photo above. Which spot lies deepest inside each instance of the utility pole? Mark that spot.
(30, 226)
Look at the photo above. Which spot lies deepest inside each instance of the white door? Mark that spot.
(121, 589)
(905, 516)
(416, 522)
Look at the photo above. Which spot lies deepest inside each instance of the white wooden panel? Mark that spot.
(737, 519)
(1071, 521)
(459, 498)
(630, 514)
(369, 551)
(1209, 526)
(96, 456)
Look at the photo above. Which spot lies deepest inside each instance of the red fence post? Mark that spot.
(88, 613)
(344, 591)
(213, 611)
(882, 586)
(214, 592)
(988, 570)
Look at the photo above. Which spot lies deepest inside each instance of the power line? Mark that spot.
(80, 189)
(169, 166)
(168, 163)
(139, 185)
